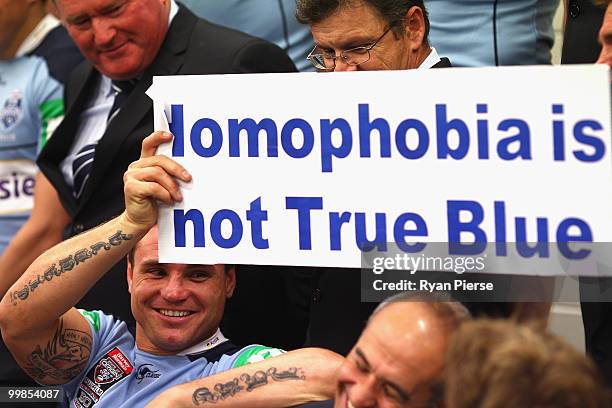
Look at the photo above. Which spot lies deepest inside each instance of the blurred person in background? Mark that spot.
(499, 364)
(587, 40)
(477, 33)
(36, 57)
(605, 36)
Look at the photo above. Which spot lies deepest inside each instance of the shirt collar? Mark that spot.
(432, 59)
(37, 35)
(207, 344)
(173, 10)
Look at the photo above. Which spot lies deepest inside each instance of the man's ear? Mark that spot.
(414, 25)
(130, 275)
(230, 282)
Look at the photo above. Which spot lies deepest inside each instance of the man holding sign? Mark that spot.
(177, 308)
(125, 43)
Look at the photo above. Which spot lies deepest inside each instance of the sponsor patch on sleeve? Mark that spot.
(106, 372)
(255, 354)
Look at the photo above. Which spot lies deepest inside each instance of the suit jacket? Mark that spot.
(580, 45)
(191, 46)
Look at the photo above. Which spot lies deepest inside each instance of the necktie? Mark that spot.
(83, 161)
(122, 90)
(81, 167)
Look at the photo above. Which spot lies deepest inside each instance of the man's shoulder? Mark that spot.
(59, 52)
(216, 47)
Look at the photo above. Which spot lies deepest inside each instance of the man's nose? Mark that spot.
(363, 393)
(174, 291)
(103, 31)
(341, 65)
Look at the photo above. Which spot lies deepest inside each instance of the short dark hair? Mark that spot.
(393, 11)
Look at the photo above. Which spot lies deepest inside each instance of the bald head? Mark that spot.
(399, 357)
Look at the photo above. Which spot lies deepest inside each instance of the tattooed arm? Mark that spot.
(46, 335)
(290, 379)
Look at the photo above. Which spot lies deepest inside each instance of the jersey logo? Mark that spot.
(12, 111)
(146, 371)
(107, 371)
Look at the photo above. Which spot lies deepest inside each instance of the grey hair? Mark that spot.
(440, 303)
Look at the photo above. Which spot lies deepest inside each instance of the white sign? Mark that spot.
(307, 169)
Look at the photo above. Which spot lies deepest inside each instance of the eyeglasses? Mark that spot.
(355, 56)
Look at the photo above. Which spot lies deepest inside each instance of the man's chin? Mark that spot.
(119, 72)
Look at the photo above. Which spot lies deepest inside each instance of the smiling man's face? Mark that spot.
(121, 38)
(175, 305)
(397, 361)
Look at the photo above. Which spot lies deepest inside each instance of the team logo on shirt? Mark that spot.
(12, 111)
(146, 371)
(107, 371)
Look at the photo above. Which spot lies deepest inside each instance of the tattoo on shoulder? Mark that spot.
(62, 359)
(245, 382)
(68, 264)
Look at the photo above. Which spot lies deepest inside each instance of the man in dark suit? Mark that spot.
(581, 46)
(126, 43)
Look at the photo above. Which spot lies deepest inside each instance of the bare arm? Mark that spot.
(42, 230)
(37, 317)
(294, 378)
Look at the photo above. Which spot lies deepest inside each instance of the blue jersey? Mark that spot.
(118, 374)
(473, 33)
(30, 108)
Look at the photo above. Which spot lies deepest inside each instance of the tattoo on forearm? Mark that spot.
(62, 359)
(67, 264)
(245, 382)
